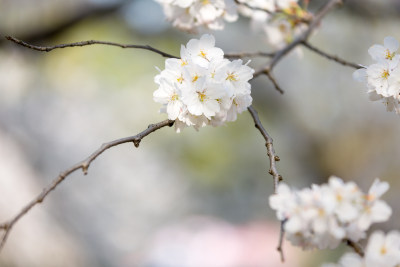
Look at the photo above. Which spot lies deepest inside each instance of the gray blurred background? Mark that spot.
(188, 199)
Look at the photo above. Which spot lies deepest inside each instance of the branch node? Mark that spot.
(136, 142)
(280, 178)
(270, 172)
(277, 158)
(85, 169)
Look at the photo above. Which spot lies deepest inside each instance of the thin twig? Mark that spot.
(330, 57)
(273, 158)
(83, 165)
(276, 11)
(299, 40)
(85, 43)
(356, 247)
(253, 7)
(281, 238)
(248, 54)
(274, 82)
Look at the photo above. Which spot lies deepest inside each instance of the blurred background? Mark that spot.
(188, 199)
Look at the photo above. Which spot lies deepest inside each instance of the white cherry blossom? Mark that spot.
(322, 216)
(381, 251)
(383, 77)
(202, 99)
(190, 15)
(386, 52)
(170, 95)
(202, 88)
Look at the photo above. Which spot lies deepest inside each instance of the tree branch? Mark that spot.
(330, 57)
(85, 43)
(273, 158)
(83, 165)
(356, 247)
(299, 40)
(248, 54)
(274, 12)
(281, 238)
(274, 82)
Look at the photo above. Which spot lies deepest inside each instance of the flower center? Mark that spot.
(389, 55)
(203, 54)
(201, 96)
(180, 79)
(195, 78)
(174, 97)
(385, 74)
(231, 77)
(205, 2)
(183, 62)
(383, 250)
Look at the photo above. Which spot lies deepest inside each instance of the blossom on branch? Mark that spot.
(202, 88)
(324, 215)
(382, 250)
(280, 20)
(383, 77)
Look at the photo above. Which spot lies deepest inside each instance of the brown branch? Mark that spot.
(253, 7)
(274, 82)
(83, 165)
(281, 238)
(85, 43)
(273, 158)
(331, 57)
(84, 10)
(356, 247)
(248, 54)
(299, 40)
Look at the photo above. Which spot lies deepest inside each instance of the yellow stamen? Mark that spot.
(370, 197)
(383, 250)
(205, 2)
(183, 63)
(385, 74)
(389, 55)
(180, 79)
(201, 96)
(231, 77)
(339, 198)
(321, 212)
(195, 78)
(174, 97)
(203, 54)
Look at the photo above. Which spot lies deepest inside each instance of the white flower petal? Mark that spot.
(391, 43)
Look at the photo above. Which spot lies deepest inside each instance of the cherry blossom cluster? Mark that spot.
(382, 250)
(202, 88)
(383, 77)
(323, 216)
(191, 14)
